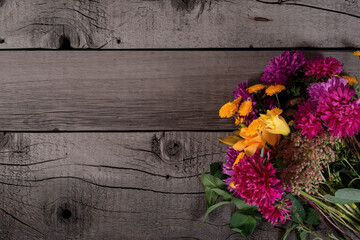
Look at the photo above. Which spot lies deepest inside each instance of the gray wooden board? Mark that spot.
(127, 90)
(179, 24)
(116, 186)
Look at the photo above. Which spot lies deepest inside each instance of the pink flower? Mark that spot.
(277, 212)
(323, 66)
(255, 180)
(308, 120)
(316, 90)
(339, 114)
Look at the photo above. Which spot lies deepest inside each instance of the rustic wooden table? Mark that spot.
(110, 144)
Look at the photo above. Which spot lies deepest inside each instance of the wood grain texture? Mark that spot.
(179, 24)
(127, 90)
(111, 186)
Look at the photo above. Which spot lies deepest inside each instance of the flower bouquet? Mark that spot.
(295, 154)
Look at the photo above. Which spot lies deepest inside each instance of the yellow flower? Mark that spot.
(245, 108)
(274, 89)
(255, 137)
(276, 111)
(275, 123)
(351, 80)
(356, 53)
(252, 129)
(255, 88)
(230, 108)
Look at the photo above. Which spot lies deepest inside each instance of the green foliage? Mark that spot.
(311, 216)
(344, 196)
(301, 234)
(216, 171)
(243, 221)
(244, 224)
(298, 212)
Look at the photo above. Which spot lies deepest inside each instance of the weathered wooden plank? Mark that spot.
(111, 186)
(127, 90)
(179, 23)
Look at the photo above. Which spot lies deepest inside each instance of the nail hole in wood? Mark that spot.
(64, 43)
(2, 40)
(118, 41)
(167, 176)
(66, 214)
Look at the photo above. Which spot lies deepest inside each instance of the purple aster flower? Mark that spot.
(316, 90)
(339, 114)
(231, 156)
(308, 120)
(280, 69)
(241, 92)
(270, 103)
(323, 66)
(228, 167)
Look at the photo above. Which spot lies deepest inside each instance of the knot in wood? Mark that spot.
(172, 148)
(183, 5)
(66, 213)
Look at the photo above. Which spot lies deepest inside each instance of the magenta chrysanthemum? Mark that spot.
(308, 120)
(323, 66)
(316, 90)
(279, 69)
(255, 180)
(277, 212)
(339, 114)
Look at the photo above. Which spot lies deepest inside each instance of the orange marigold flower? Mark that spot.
(255, 137)
(245, 108)
(230, 108)
(351, 80)
(255, 88)
(274, 89)
(356, 53)
(276, 111)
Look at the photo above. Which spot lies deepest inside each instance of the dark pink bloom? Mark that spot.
(277, 212)
(323, 66)
(308, 120)
(316, 90)
(255, 180)
(281, 68)
(339, 114)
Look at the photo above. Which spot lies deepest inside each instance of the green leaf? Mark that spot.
(210, 197)
(345, 195)
(311, 216)
(227, 196)
(288, 231)
(216, 171)
(213, 207)
(244, 224)
(244, 208)
(210, 181)
(301, 235)
(298, 211)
